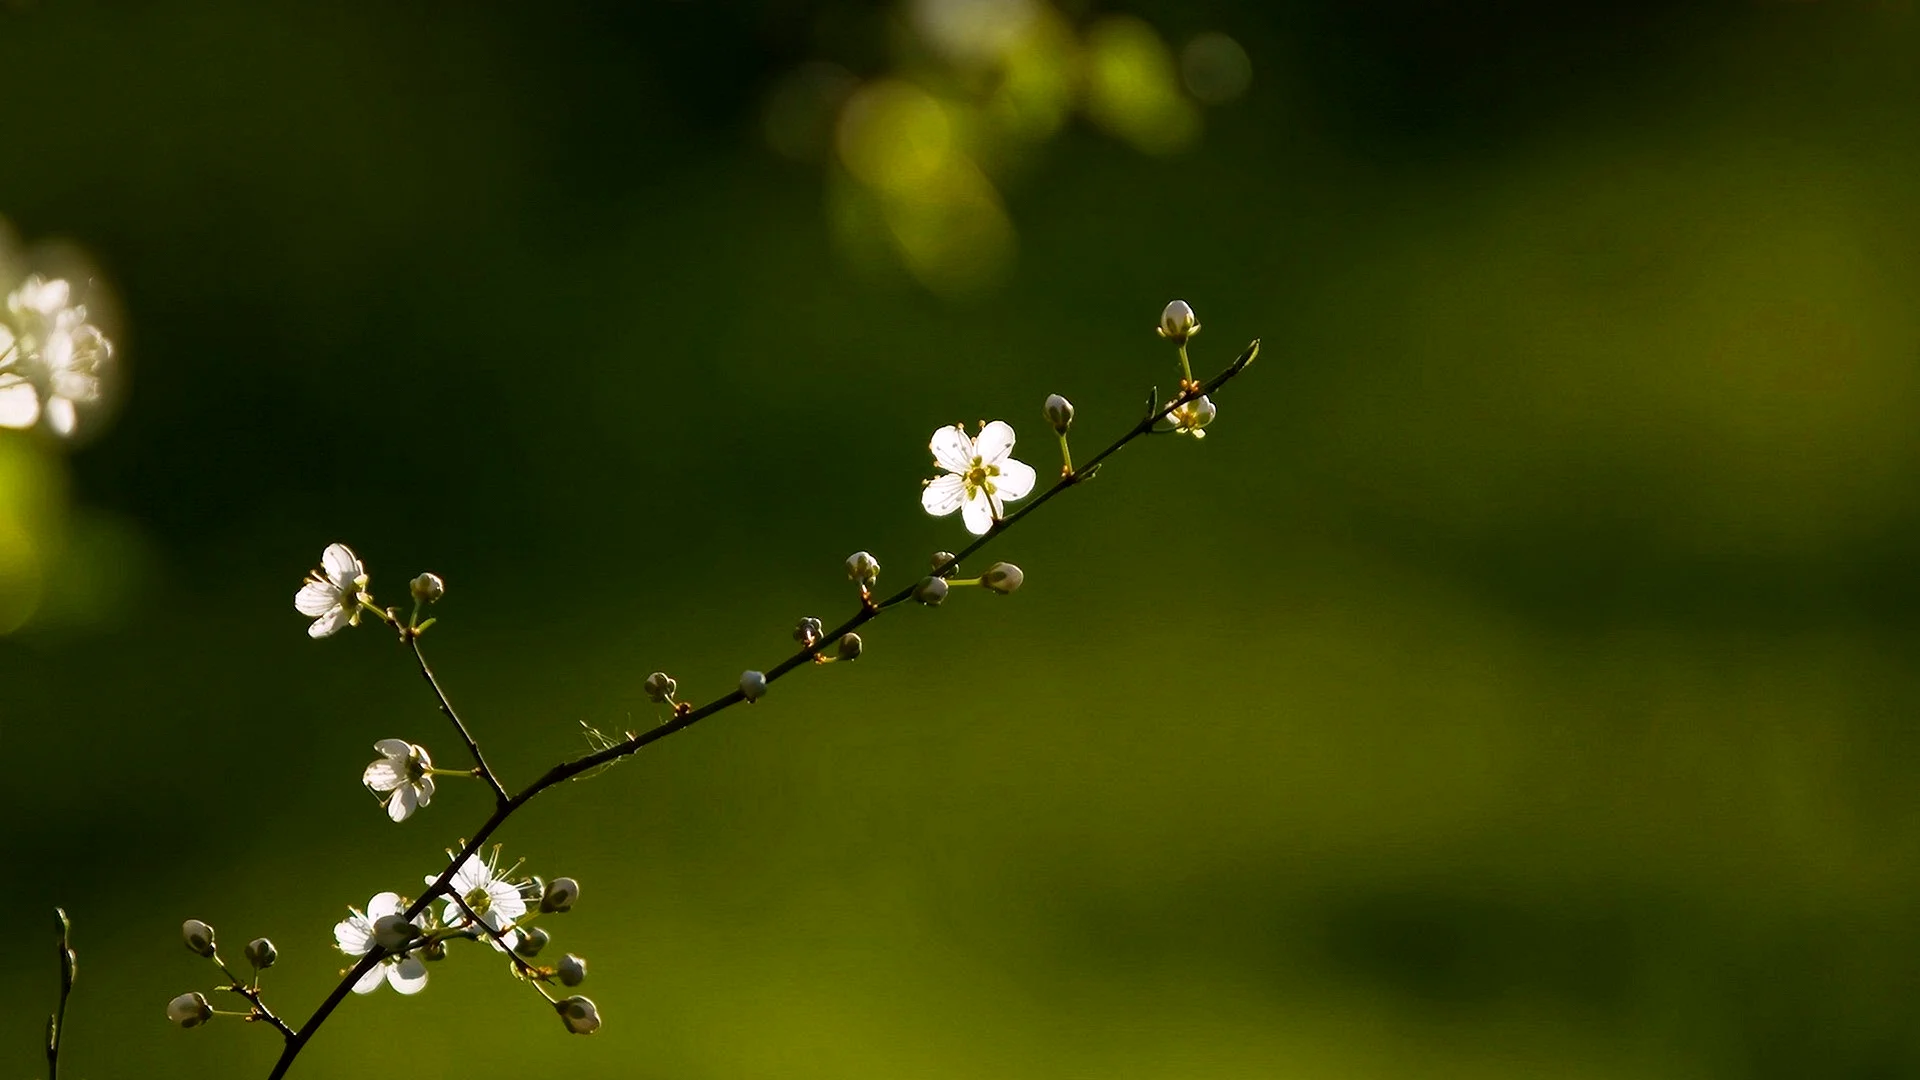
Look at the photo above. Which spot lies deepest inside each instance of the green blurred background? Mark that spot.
(1519, 681)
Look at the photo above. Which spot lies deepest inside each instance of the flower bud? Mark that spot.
(432, 950)
(931, 591)
(1002, 577)
(560, 895)
(427, 588)
(579, 1014)
(393, 932)
(261, 953)
(863, 568)
(189, 1010)
(572, 970)
(660, 688)
(1059, 413)
(198, 937)
(849, 648)
(943, 564)
(531, 942)
(807, 631)
(1177, 323)
(753, 684)
(1189, 418)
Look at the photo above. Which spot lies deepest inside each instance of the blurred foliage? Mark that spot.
(1518, 681)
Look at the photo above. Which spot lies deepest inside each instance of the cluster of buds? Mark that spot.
(192, 1009)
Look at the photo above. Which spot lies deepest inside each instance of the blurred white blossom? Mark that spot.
(354, 935)
(981, 475)
(52, 359)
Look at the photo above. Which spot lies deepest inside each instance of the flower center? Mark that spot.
(977, 477)
(479, 900)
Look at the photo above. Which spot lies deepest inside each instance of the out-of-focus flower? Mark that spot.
(52, 360)
(332, 594)
(981, 475)
(400, 777)
(354, 935)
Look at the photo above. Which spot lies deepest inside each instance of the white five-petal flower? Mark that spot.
(400, 778)
(52, 360)
(484, 887)
(981, 475)
(332, 594)
(355, 937)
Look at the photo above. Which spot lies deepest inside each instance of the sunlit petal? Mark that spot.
(995, 442)
(952, 449)
(328, 623)
(943, 495)
(408, 976)
(341, 565)
(371, 980)
(1015, 480)
(977, 513)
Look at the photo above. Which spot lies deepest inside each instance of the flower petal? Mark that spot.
(393, 748)
(61, 416)
(382, 905)
(19, 404)
(1015, 480)
(424, 786)
(383, 775)
(404, 801)
(978, 513)
(409, 976)
(942, 495)
(327, 624)
(341, 565)
(995, 442)
(952, 449)
(316, 598)
(353, 935)
(371, 980)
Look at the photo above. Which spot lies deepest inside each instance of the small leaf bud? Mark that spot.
(943, 564)
(807, 631)
(198, 937)
(189, 1010)
(1002, 577)
(931, 591)
(849, 647)
(531, 942)
(427, 588)
(1177, 323)
(660, 688)
(261, 953)
(1059, 413)
(753, 684)
(572, 970)
(863, 568)
(579, 1014)
(560, 895)
(392, 932)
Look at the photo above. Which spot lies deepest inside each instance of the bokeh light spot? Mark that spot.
(1215, 68)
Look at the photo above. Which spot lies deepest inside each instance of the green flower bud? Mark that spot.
(660, 688)
(931, 591)
(1002, 577)
(849, 648)
(560, 895)
(863, 568)
(198, 937)
(941, 559)
(753, 684)
(1177, 323)
(1059, 413)
(189, 1010)
(579, 1014)
(261, 953)
(393, 932)
(427, 588)
(572, 970)
(531, 942)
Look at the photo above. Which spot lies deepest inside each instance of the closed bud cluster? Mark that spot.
(560, 895)
(572, 970)
(849, 647)
(1002, 577)
(753, 684)
(1059, 413)
(863, 569)
(261, 953)
(931, 591)
(1177, 322)
(579, 1014)
(531, 942)
(198, 937)
(660, 688)
(427, 588)
(189, 1010)
(807, 631)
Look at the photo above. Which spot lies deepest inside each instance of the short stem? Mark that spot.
(500, 937)
(1186, 369)
(479, 762)
(1066, 456)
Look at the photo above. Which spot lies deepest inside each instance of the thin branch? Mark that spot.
(869, 610)
(527, 971)
(57, 1023)
(480, 763)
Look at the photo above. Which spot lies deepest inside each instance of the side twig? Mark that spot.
(480, 763)
(57, 1023)
(565, 771)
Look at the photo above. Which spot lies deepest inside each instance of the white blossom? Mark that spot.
(332, 594)
(484, 887)
(52, 360)
(1189, 417)
(400, 778)
(981, 475)
(354, 935)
